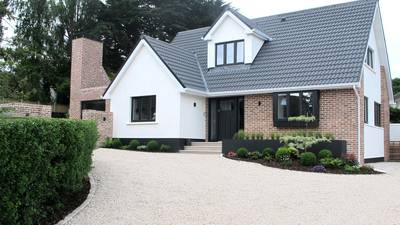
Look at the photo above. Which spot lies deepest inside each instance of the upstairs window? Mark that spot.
(370, 58)
(143, 109)
(294, 108)
(229, 53)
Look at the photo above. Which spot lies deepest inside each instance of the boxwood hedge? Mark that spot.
(40, 160)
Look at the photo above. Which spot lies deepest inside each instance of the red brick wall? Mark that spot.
(21, 109)
(385, 112)
(103, 120)
(338, 115)
(88, 82)
(88, 78)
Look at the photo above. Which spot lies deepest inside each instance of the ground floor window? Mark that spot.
(377, 116)
(365, 110)
(143, 109)
(296, 108)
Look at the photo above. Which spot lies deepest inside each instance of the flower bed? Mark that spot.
(289, 158)
(135, 145)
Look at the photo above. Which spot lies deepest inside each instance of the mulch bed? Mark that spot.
(71, 201)
(298, 167)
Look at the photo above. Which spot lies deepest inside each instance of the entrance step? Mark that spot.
(203, 148)
(394, 152)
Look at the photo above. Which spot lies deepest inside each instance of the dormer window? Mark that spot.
(229, 53)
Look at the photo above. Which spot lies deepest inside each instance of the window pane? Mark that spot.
(294, 101)
(220, 54)
(240, 52)
(307, 101)
(377, 114)
(230, 53)
(282, 106)
(136, 109)
(144, 108)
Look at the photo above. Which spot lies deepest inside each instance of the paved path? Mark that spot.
(155, 188)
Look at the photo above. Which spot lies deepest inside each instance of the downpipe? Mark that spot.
(358, 125)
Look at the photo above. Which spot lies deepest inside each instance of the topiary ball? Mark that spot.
(308, 159)
(325, 153)
(133, 145)
(242, 153)
(283, 154)
(153, 145)
(268, 152)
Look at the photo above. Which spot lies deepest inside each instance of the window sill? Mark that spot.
(142, 123)
(373, 126)
(369, 68)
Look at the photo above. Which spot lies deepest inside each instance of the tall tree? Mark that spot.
(39, 59)
(124, 21)
(396, 85)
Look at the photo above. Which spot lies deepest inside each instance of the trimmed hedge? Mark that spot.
(40, 161)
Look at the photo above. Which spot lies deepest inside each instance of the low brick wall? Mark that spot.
(22, 109)
(104, 123)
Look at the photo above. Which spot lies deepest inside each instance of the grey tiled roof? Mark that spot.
(321, 46)
(182, 63)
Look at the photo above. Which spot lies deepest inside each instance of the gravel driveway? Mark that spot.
(155, 188)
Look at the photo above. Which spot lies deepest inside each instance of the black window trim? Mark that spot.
(370, 52)
(224, 44)
(366, 109)
(285, 122)
(155, 106)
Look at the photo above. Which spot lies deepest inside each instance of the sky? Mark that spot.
(258, 8)
(390, 10)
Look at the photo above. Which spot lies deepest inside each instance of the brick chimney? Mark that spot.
(88, 77)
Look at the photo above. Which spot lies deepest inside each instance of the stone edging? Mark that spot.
(93, 188)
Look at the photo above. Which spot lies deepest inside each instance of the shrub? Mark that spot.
(350, 159)
(325, 153)
(142, 148)
(153, 145)
(240, 135)
(42, 160)
(133, 145)
(351, 168)
(112, 143)
(125, 147)
(308, 159)
(367, 169)
(268, 152)
(165, 148)
(283, 154)
(332, 163)
(287, 163)
(255, 155)
(318, 169)
(231, 154)
(242, 153)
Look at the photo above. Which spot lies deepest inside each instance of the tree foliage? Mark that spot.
(39, 58)
(396, 85)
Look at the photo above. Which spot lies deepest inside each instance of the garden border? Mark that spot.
(337, 147)
(92, 192)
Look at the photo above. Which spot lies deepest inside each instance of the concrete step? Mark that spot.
(219, 144)
(200, 152)
(203, 148)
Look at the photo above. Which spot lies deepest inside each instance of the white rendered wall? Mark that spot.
(373, 136)
(395, 132)
(146, 76)
(193, 118)
(229, 29)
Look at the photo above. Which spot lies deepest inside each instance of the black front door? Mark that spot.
(225, 117)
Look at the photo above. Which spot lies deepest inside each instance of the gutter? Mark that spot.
(358, 125)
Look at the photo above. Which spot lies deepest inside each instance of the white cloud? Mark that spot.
(389, 9)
